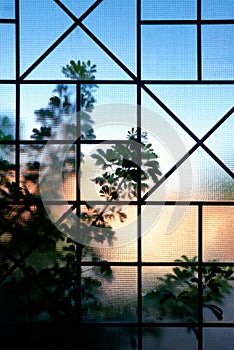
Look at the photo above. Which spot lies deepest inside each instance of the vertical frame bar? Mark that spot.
(139, 241)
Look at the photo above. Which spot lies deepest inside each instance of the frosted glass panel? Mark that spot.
(118, 297)
(169, 52)
(7, 159)
(38, 32)
(218, 338)
(216, 9)
(7, 9)
(208, 182)
(199, 107)
(78, 7)
(7, 46)
(109, 22)
(217, 52)
(36, 111)
(221, 142)
(168, 9)
(168, 338)
(156, 306)
(218, 228)
(160, 245)
(77, 46)
(127, 253)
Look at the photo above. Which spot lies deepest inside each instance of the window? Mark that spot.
(91, 93)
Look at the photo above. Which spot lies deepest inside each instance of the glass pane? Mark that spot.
(118, 295)
(217, 51)
(126, 253)
(7, 170)
(218, 228)
(169, 295)
(101, 165)
(208, 182)
(190, 103)
(106, 338)
(34, 168)
(169, 52)
(114, 112)
(218, 338)
(221, 142)
(7, 112)
(7, 9)
(169, 338)
(53, 167)
(43, 108)
(78, 7)
(77, 46)
(7, 45)
(168, 9)
(110, 226)
(38, 32)
(215, 9)
(114, 24)
(173, 234)
(218, 294)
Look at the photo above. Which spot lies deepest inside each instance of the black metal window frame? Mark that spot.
(141, 85)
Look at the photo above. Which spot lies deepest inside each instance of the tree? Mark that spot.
(56, 273)
(60, 104)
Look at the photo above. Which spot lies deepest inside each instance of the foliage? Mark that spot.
(6, 128)
(176, 295)
(126, 165)
(60, 105)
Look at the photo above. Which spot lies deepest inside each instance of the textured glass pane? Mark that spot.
(208, 182)
(169, 52)
(114, 112)
(7, 46)
(199, 107)
(109, 23)
(55, 165)
(218, 228)
(33, 166)
(169, 295)
(7, 168)
(226, 308)
(106, 338)
(7, 9)
(7, 111)
(221, 142)
(39, 112)
(77, 46)
(126, 253)
(217, 43)
(101, 161)
(110, 226)
(218, 338)
(117, 296)
(168, 9)
(169, 338)
(38, 32)
(216, 9)
(162, 244)
(78, 7)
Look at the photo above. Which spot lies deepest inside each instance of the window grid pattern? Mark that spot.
(141, 85)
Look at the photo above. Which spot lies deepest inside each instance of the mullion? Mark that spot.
(200, 286)
(199, 42)
(139, 140)
(17, 87)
